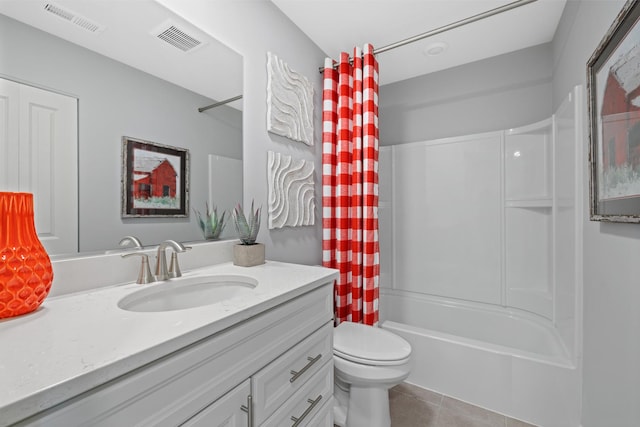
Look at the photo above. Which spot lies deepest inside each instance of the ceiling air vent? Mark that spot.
(171, 33)
(74, 18)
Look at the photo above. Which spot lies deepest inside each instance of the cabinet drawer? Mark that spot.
(279, 380)
(307, 402)
(226, 411)
(324, 417)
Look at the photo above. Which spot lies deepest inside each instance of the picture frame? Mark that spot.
(155, 179)
(613, 85)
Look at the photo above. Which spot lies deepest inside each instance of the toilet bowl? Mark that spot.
(368, 361)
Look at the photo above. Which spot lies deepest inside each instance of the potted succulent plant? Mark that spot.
(212, 224)
(247, 253)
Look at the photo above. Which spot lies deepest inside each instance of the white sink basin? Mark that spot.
(187, 292)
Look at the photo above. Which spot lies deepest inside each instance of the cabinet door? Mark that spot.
(226, 411)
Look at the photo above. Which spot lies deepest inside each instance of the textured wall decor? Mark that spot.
(291, 192)
(289, 102)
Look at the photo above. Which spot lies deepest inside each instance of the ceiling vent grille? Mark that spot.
(180, 38)
(74, 18)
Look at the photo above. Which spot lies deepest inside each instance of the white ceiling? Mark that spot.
(126, 37)
(338, 25)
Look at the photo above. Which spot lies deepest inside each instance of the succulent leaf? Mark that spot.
(247, 229)
(213, 224)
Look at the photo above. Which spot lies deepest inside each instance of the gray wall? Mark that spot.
(611, 351)
(254, 28)
(502, 92)
(116, 100)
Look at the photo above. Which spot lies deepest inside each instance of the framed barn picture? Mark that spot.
(613, 81)
(155, 179)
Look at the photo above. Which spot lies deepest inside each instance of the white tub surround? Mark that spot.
(77, 342)
(481, 264)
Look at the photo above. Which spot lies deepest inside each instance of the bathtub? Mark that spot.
(504, 360)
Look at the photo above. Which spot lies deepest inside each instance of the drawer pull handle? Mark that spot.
(311, 360)
(249, 410)
(313, 404)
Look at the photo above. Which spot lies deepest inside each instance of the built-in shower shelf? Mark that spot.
(529, 217)
(529, 203)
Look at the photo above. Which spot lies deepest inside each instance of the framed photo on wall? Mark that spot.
(613, 82)
(155, 179)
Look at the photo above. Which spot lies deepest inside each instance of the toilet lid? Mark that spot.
(369, 345)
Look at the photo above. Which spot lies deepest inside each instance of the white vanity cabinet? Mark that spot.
(277, 362)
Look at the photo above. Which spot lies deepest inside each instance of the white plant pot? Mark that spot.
(248, 255)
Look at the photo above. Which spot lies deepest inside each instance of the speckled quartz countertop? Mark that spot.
(75, 342)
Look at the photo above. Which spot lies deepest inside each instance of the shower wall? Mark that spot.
(491, 219)
(447, 225)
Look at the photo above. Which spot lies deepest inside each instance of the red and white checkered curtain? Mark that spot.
(350, 184)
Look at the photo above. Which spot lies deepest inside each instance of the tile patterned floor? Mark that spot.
(413, 406)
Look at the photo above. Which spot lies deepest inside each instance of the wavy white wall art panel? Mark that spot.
(289, 102)
(291, 192)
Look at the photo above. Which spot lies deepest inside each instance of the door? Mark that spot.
(39, 155)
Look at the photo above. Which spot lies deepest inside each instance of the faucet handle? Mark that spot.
(130, 239)
(144, 276)
(174, 267)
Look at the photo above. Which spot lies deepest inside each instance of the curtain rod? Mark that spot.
(451, 26)
(217, 104)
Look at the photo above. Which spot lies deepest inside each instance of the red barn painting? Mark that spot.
(620, 113)
(613, 85)
(153, 177)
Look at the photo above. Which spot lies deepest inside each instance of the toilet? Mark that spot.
(368, 361)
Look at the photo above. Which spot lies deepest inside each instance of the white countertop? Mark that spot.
(75, 342)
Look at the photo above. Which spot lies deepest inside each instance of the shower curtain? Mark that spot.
(350, 184)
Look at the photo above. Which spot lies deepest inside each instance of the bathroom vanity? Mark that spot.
(263, 358)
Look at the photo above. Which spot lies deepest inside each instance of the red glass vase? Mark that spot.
(25, 267)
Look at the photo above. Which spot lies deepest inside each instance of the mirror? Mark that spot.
(138, 71)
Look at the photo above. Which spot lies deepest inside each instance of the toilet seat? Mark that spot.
(369, 345)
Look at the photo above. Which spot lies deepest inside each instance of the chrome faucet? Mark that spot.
(144, 276)
(131, 239)
(161, 260)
